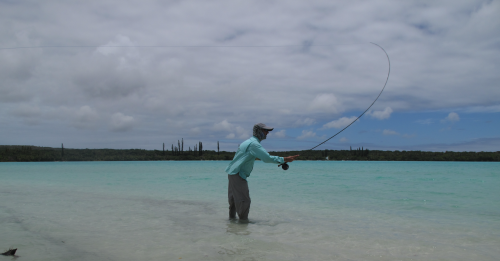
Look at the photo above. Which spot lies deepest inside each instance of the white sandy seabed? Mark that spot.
(178, 210)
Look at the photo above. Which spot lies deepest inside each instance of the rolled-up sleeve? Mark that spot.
(259, 152)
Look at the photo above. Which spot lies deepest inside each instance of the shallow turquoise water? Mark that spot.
(314, 211)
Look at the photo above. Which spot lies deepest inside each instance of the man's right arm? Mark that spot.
(259, 152)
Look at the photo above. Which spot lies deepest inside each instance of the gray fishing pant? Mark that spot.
(238, 197)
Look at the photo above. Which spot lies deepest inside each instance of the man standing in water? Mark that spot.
(242, 165)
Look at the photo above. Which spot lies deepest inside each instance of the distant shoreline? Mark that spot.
(10, 153)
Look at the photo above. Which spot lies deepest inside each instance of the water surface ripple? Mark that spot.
(316, 210)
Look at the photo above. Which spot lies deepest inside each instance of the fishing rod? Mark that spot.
(285, 166)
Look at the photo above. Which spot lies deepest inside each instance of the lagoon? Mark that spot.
(316, 210)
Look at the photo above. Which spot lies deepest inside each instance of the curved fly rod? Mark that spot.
(285, 165)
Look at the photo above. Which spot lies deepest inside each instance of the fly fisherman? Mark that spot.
(242, 165)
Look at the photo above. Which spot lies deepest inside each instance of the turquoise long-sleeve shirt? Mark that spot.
(245, 156)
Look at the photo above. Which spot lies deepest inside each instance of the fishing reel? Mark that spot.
(284, 166)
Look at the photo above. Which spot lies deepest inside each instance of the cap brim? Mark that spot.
(263, 126)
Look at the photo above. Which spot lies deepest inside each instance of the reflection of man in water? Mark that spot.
(242, 165)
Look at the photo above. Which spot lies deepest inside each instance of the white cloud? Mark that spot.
(395, 133)
(235, 130)
(381, 115)
(340, 123)
(491, 109)
(307, 134)
(425, 122)
(85, 117)
(30, 114)
(306, 122)
(222, 126)
(242, 133)
(389, 132)
(325, 102)
(452, 117)
(85, 113)
(279, 134)
(483, 144)
(107, 81)
(195, 131)
(27, 111)
(343, 139)
(121, 122)
(108, 48)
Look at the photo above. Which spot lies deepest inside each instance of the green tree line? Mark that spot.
(33, 153)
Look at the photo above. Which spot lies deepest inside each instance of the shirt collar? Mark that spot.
(255, 138)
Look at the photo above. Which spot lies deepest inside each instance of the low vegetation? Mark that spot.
(33, 153)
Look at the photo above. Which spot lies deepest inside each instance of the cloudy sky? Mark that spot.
(137, 74)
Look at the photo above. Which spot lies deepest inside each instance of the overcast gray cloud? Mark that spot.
(444, 56)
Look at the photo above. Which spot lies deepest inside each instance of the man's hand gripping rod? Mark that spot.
(285, 166)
